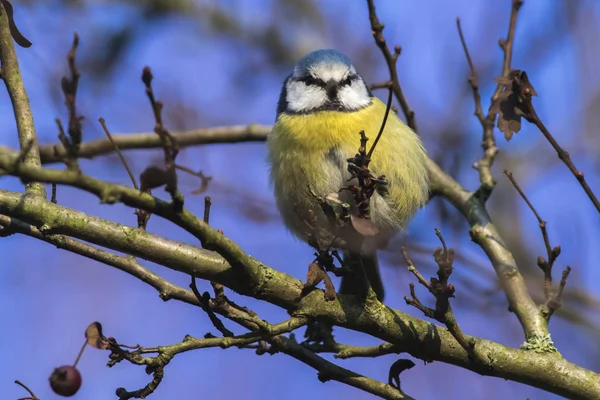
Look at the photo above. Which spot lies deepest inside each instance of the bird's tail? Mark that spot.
(353, 283)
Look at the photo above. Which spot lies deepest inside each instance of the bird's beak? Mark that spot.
(331, 88)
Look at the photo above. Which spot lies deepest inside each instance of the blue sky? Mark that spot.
(48, 297)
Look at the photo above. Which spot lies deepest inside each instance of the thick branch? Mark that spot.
(415, 336)
(128, 264)
(112, 193)
(11, 75)
(442, 185)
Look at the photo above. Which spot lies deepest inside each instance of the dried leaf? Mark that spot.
(314, 276)
(153, 177)
(517, 92)
(329, 288)
(94, 336)
(396, 369)
(509, 114)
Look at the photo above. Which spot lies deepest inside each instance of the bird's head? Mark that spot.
(324, 80)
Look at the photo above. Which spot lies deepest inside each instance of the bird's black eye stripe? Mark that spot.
(349, 79)
(311, 80)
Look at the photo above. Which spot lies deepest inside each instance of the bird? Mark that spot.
(323, 106)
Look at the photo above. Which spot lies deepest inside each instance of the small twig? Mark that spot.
(391, 59)
(53, 198)
(541, 222)
(169, 144)
(484, 164)
(80, 354)
(31, 394)
(204, 180)
(157, 377)
(563, 155)
(442, 291)
(379, 85)
(207, 204)
(109, 136)
(473, 79)
(344, 351)
(553, 299)
(563, 282)
(411, 267)
(385, 117)
(204, 300)
(69, 87)
(70, 91)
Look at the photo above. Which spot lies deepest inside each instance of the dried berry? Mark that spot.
(65, 380)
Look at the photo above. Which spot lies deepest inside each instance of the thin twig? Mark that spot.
(553, 299)
(116, 147)
(207, 204)
(204, 303)
(442, 291)
(53, 198)
(169, 144)
(69, 87)
(391, 59)
(473, 78)
(385, 117)
(80, 354)
(32, 395)
(563, 155)
(204, 180)
(541, 222)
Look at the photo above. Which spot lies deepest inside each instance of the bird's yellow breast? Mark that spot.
(323, 130)
(310, 150)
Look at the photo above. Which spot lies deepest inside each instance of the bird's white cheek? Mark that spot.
(304, 98)
(354, 96)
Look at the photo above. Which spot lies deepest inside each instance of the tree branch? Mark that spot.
(53, 153)
(128, 264)
(11, 75)
(472, 205)
(391, 59)
(442, 185)
(344, 351)
(415, 336)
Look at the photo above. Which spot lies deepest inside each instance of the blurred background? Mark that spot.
(222, 63)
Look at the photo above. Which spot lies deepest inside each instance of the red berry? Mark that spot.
(65, 380)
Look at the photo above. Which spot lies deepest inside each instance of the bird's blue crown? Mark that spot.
(325, 56)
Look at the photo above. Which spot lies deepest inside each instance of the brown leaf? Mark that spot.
(513, 102)
(329, 288)
(314, 276)
(94, 336)
(153, 177)
(509, 117)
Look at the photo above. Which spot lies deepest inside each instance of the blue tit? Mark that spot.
(323, 106)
